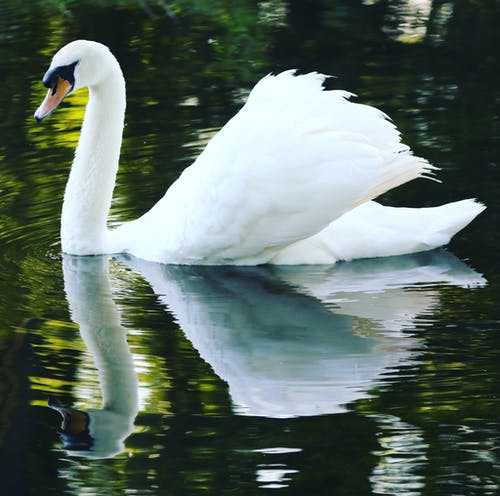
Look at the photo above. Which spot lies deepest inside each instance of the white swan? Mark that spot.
(269, 186)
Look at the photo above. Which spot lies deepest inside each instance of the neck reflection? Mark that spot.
(88, 291)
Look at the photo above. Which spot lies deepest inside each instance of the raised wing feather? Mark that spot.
(292, 160)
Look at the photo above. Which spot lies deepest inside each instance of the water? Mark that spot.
(374, 377)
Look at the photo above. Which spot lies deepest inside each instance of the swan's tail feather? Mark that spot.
(373, 230)
(451, 218)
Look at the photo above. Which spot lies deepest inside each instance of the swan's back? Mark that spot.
(293, 159)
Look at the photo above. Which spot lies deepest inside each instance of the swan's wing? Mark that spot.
(292, 160)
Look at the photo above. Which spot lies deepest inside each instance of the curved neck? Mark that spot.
(89, 189)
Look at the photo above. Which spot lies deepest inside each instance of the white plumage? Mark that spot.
(292, 161)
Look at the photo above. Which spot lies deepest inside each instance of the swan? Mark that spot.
(288, 180)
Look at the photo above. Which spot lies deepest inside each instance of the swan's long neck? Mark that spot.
(89, 190)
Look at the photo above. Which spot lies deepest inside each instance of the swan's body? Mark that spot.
(268, 188)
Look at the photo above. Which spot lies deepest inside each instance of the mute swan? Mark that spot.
(269, 186)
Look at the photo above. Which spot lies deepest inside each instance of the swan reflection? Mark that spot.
(99, 433)
(294, 341)
(289, 341)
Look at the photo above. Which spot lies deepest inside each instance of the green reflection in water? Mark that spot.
(188, 65)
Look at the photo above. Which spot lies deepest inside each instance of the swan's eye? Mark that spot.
(66, 72)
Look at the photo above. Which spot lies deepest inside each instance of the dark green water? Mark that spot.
(374, 377)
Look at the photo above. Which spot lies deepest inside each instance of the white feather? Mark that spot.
(373, 230)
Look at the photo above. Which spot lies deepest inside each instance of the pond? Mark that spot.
(379, 376)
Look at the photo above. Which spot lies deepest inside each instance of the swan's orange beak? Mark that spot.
(54, 97)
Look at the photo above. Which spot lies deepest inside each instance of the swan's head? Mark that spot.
(79, 64)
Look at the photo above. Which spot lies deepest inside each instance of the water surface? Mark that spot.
(372, 377)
